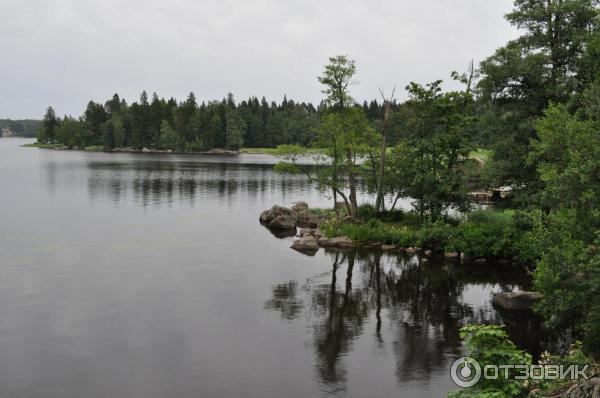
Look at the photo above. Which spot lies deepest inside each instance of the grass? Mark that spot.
(94, 148)
(273, 151)
(45, 146)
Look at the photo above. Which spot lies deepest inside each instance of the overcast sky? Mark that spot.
(65, 52)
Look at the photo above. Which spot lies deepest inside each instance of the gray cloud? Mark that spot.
(66, 52)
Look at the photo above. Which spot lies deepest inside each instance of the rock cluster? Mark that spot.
(283, 218)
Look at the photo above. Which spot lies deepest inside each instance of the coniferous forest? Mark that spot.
(189, 126)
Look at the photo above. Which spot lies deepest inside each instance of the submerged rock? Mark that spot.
(341, 242)
(518, 301)
(388, 248)
(306, 245)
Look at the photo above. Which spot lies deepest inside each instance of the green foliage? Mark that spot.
(548, 63)
(486, 234)
(568, 275)
(168, 137)
(490, 345)
(373, 231)
(438, 140)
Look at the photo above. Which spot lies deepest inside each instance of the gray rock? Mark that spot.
(286, 222)
(306, 232)
(278, 217)
(317, 233)
(265, 217)
(588, 388)
(307, 245)
(388, 248)
(428, 253)
(516, 300)
(411, 250)
(343, 242)
(306, 219)
(300, 206)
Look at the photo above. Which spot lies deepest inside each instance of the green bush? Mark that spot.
(367, 211)
(372, 231)
(435, 236)
(485, 234)
(490, 345)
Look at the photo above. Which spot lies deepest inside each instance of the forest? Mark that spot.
(533, 106)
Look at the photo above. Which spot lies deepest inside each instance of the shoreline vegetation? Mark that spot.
(523, 128)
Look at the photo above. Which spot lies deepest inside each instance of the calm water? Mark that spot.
(130, 275)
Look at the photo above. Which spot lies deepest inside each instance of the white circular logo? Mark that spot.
(465, 372)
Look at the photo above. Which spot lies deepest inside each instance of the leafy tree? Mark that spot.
(438, 135)
(567, 154)
(523, 77)
(344, 130)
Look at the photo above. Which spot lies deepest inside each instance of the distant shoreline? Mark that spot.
(98, 148)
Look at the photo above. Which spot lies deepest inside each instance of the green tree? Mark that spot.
(168, 137)
(523, 77)
(235, 129)
(438, 127)
(46, 133)
(344, 130)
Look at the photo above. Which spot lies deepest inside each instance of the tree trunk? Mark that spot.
(379, 198)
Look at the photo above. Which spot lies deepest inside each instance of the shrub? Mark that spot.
(435, 236)
(367, 211)
(490, 345)
(485, 234)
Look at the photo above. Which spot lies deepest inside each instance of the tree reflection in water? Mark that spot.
(416, 306)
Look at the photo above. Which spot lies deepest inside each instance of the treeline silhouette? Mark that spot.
(187, 126)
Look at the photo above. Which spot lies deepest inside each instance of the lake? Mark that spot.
(143, 275)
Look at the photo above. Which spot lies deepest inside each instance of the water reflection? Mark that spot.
(415, 308)
(156, 183)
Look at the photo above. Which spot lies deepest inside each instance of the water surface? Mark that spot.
(138, 275)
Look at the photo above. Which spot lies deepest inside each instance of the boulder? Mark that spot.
(307, 245)
(388, 248)
(516, 300)
(341, 242)
(587, 388)
(306, 232)
(283, 222)
(411, 250)
(278, 217)
(265, 217)
(306, 219)
(300, 206)
(323, 241)
(317, 233)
